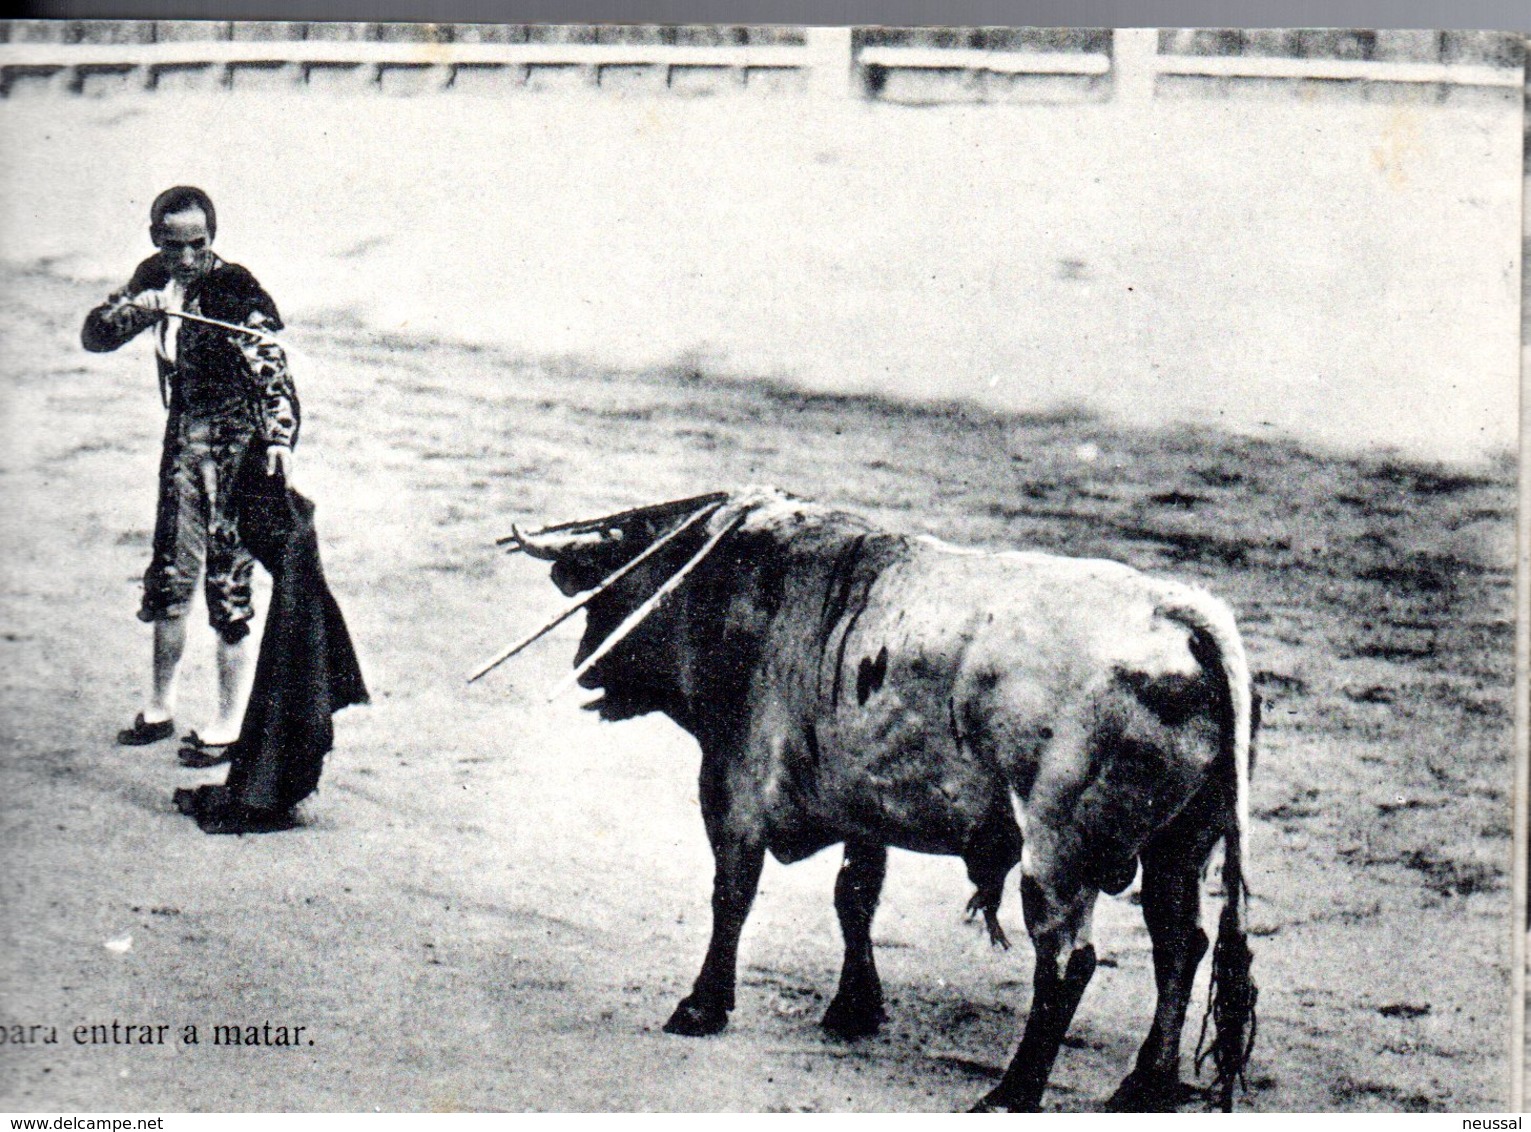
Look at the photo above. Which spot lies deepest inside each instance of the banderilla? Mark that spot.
(267, 335)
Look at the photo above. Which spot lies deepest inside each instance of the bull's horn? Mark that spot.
(657, 512)
(550, 547)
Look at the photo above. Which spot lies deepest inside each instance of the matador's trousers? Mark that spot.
(193, 526)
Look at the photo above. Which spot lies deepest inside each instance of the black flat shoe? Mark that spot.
(197, 754)
(141, 734)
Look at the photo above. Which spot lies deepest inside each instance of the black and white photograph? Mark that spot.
(759, 568)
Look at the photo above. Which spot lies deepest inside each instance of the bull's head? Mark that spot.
(625, 565)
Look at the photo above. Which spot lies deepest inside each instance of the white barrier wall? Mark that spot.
(918, 65)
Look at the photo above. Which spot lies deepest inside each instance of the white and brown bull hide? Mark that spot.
(850, 686)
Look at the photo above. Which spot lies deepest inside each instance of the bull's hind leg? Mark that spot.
(856, 1011)
(1059, 924)
(736, 876)
(1172, 910)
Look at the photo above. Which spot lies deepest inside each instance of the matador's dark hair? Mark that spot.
(180, 199)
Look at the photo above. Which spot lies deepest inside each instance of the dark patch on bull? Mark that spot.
(856, 570)
(837, 600)
(922, 667)
(1173, 698)
(841, 577)
(951, 721)
(870, 675)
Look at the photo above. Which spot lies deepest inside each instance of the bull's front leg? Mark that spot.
(1059, 924)
(856, 1011)
(736, 876)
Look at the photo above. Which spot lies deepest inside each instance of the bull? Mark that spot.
(847, 685)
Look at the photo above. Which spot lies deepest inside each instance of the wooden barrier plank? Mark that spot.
(971, 59)
(371, 51)
(191, 31)
(1248, 66)
(268, 31)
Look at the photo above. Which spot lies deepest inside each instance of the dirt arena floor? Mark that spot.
(494, 901)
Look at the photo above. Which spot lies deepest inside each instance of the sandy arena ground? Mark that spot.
(494, 902)
(1337, 271)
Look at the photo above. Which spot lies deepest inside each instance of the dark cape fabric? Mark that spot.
(307, 669)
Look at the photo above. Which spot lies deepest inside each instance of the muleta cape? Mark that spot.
(307, 669)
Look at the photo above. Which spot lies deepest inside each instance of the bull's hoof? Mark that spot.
(696, 1020)
(1147, 1092)
(995, 1102)
(849, 1018)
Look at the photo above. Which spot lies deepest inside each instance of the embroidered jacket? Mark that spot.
(209, 372)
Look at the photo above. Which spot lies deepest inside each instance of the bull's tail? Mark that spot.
(1231, 1005)
(1231, 1009)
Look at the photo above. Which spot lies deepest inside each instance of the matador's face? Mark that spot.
(185, 245)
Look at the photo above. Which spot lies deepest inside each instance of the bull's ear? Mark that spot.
(565, 579)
